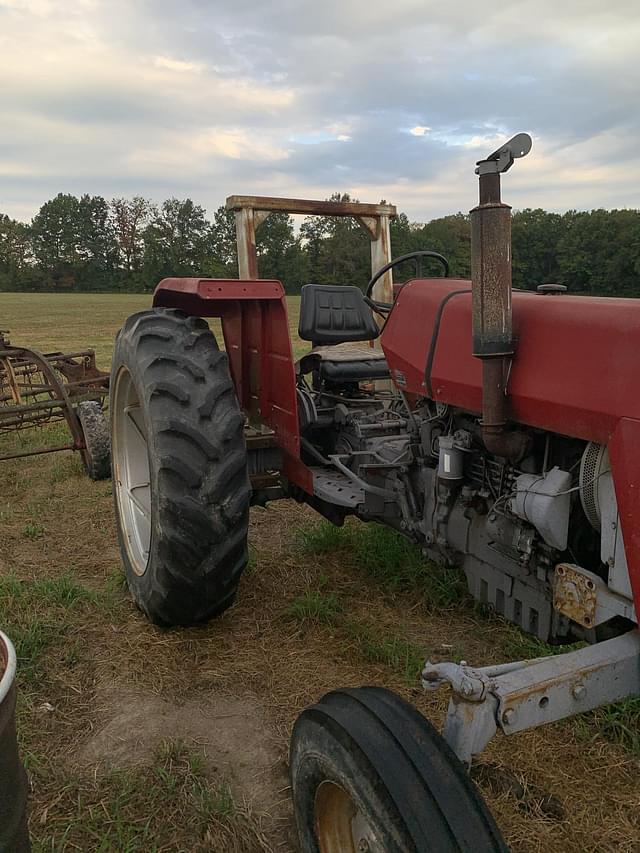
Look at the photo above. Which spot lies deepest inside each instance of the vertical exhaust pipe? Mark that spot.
(491, 297)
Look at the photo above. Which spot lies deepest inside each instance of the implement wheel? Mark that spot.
(96, 456)
(371, 775)
(180, 479)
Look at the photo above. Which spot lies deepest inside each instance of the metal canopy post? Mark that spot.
(251, 212)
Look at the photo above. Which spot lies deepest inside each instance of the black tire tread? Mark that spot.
(436, 802)
(200, 551)
(95, 430)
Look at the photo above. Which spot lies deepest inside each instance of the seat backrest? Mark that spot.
(335, 314)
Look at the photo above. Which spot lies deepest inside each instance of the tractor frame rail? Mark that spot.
(521, 695)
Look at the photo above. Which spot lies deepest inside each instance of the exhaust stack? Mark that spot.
(491, 297)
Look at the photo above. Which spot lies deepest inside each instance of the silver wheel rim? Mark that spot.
(131, 473)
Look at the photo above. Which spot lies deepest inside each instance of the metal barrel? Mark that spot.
(14, 836)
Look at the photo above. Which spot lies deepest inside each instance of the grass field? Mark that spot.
(138, 739)
(66, 321)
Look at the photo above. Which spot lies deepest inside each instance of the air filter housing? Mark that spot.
(594, 463)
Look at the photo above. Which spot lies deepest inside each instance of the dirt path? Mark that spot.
(102, 690)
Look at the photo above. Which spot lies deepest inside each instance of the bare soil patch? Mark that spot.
(233, 735)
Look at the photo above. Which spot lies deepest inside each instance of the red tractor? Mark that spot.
(507, 442)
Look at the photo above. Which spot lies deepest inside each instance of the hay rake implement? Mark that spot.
(39, 389)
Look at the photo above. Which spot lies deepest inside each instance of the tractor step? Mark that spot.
(336, 488)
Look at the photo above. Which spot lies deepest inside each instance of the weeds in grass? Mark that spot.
(30, 639)
(117, 581)
(517, 645)
(323, 538)
(388, 558)
(315, 606)
(149, 808)
(373, 644)
(35, 616)
(252, 561)
(63, 590)
(33, 531)
(6, 513)
(393, 650)
(619, 723)
(37, 509)
(398, 564)
(65, 468)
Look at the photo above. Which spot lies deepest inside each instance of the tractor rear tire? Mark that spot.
(180, 477)
(368, 772)
(96, 456)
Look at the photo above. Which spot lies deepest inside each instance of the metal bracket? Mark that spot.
(387, 494)
(525, 694)
(586, 599)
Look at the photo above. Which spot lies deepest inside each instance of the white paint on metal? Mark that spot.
(8, 659)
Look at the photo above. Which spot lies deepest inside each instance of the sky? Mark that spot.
(384, 100)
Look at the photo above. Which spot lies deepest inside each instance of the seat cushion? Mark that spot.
(354, 371)
(348, 362)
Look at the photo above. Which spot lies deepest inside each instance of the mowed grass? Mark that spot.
(319, 607)
(70, 321)
(387, 557)
(167, 804)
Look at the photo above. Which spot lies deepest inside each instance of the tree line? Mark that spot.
(91, 244)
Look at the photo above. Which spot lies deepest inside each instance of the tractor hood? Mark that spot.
(575, 367)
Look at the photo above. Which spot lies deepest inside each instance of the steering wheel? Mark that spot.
(385, 307)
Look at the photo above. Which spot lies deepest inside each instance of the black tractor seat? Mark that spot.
(345, 363)
(337, 321)
(335, 314)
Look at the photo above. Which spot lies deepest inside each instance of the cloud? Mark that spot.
(210, 97)
(177, 64)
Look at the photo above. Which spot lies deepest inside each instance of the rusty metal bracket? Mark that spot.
(585, 598)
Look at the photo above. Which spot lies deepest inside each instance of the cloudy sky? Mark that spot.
(394, 100)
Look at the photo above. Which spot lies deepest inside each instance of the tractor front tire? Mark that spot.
(179, 459)
(369, 772)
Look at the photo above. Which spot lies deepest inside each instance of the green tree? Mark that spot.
(16, 267)
(223, 252)
(451, 237)
(176, 241)
(130, 218)
(535, 235)
(337, 248)
(129, 244)
(55, 233)
(97, 249)
(280, 252)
